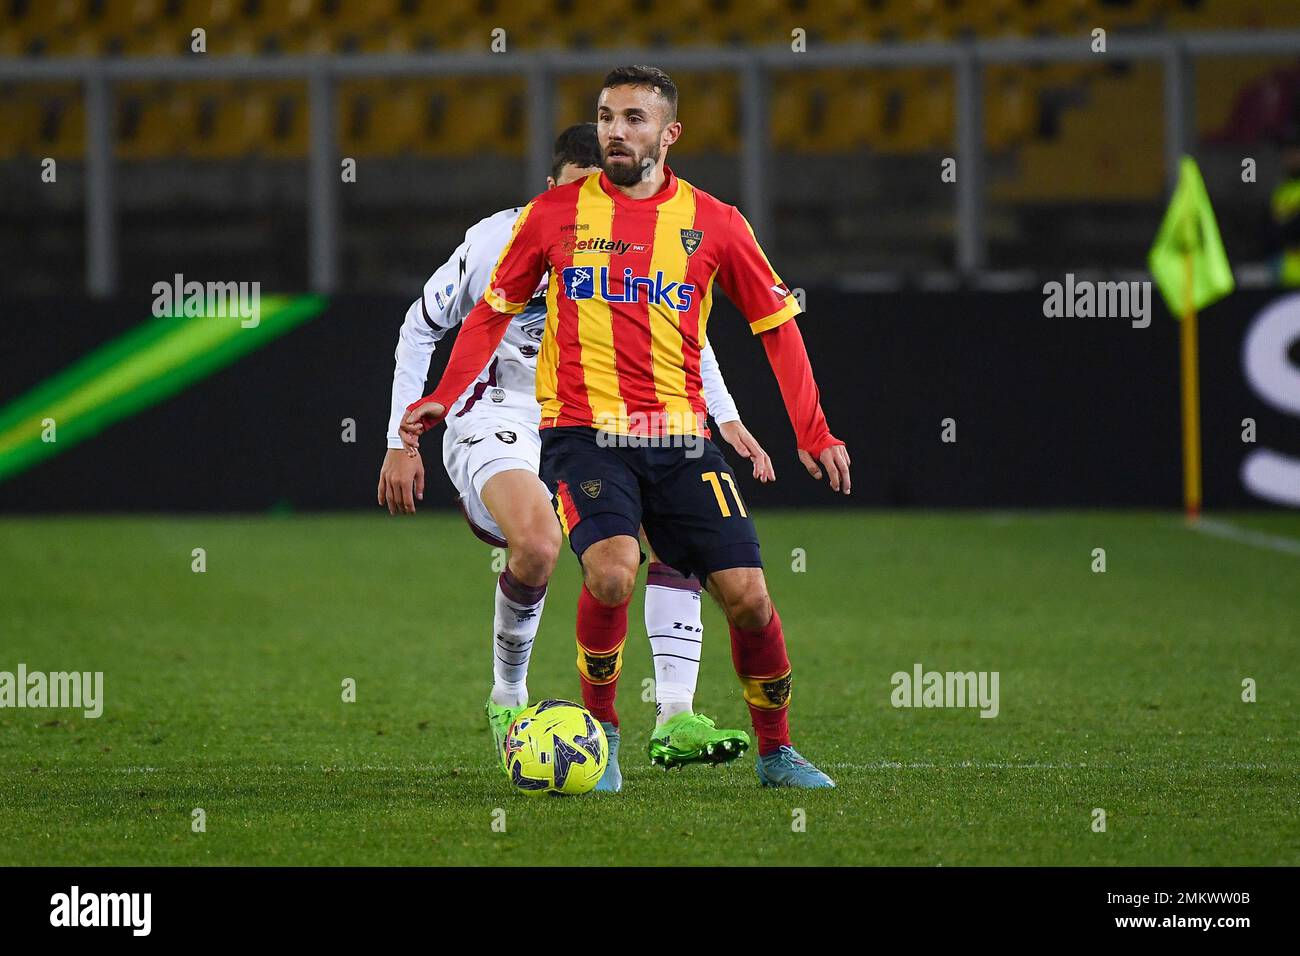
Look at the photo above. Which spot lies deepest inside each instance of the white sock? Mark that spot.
(514, 628)
(672, 620)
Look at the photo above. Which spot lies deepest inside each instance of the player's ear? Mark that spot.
(672, 132)
(550, 182)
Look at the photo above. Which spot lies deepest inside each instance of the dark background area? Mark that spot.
(1049, 412)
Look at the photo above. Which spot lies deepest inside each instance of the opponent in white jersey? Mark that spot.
(491, 451)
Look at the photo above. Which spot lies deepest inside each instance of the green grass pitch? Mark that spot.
(1120, 691)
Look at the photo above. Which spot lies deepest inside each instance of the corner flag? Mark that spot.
(1189, 265)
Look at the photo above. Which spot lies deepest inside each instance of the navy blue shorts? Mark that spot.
(686, 498)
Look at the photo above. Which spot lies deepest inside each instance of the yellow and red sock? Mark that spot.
(601, 632)
(764, 672)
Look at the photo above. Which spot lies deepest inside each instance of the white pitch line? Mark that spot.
(989, 765)
(875, 765)
(1259, 539)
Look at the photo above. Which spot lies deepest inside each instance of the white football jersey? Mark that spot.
(508, 386)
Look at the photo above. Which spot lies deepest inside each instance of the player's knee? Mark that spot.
(535, 553)
(750, 608)
(610, 584)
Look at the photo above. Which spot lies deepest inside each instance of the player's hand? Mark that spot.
(747, 446)
(401, 482)
(418, 420)
(835, 460)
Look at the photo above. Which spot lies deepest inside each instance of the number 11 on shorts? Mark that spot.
(712, 478)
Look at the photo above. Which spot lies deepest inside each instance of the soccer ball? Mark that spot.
(556, 746)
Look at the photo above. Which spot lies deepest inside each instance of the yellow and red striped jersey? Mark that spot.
(628, 299)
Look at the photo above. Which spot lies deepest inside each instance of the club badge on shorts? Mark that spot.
(591, 488)
(508, 437)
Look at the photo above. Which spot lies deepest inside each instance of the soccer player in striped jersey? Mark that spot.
(632, 254)
(490, 451)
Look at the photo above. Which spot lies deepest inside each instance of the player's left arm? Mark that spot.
(763, 299)
(723, 409)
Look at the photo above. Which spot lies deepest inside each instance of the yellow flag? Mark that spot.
(1189, 228)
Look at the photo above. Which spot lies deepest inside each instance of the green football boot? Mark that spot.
(500, 719)
(693, 738)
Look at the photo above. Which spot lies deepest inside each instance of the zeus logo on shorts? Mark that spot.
(580, 282)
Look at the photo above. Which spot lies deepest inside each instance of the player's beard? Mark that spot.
(630, 174)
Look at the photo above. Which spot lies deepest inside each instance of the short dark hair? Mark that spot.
(578, 145)
(647, 77)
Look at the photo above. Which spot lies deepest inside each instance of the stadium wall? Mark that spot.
(1048, 412)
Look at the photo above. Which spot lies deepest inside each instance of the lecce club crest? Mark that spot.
(691, 239)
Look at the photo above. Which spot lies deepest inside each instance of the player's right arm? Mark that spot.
(513, 281)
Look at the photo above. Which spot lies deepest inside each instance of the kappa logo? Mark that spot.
(508, 437)
(591, 487)
(691, 239)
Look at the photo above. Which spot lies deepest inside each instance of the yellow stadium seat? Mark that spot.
(425, 16)
(847, 110)
(788, 125)
(1106, 151)
(283, 16)
(12, 42)
(1235, 15)
(1010, 107)
(60, 130)
(380, 117)
(19, 118)
(48, 17)
(229, 120)
(711, 116)
(70, 41)
(288, 132)
(154, 40)
(576, 98)
(152, 121)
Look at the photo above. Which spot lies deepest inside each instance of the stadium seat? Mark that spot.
(380, 117)
(59, 121)
(1009, 107)
(19, 118)
(712, 121)
(576, 98)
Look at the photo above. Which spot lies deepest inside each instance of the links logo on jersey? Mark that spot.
(580, 282)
